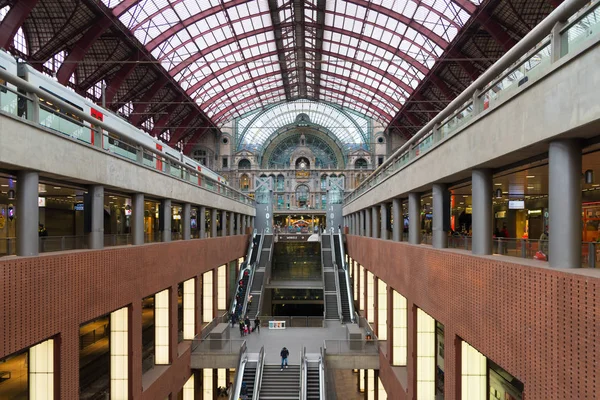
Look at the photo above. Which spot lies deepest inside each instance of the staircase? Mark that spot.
(312, 382)
(248, 379)
(280, 385)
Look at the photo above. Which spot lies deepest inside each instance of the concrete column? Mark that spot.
(367, 222)
(202, 221)
(361, 223)
(375, 221)
(398, 220)
(186, 219)
(231, 224)
(441, 215)
(213, 223)
(238, 224)
(27, 213)
(96, 237)
(252, 223)
(564, 204)
(482, 212)
(223, 223)
(414, 218)
(356, 223)
(384, 221)
(244, 223)
(165, 219)
(137, 218)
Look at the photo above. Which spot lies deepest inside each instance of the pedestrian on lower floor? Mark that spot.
(257, 324)
(284, 356)
(241, 328)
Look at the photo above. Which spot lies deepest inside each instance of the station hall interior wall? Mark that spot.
(537, 323)
(51, 295)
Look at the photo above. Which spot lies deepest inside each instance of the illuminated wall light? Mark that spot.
(361, 292)
(473, 373)
(370, 297)
(370, 384)
(425, 355)
(382, 394)
(207, 296)
(189, 305)
(399, 329)
(207, 384)
(381, 310)
(41, 371)
(188, 389)
(222, 377)
(355, 280)
(161, 327)
(119, 351)
(361, 380)
(222, 288)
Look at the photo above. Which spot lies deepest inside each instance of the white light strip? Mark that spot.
(473, 373)
(188, 389)
(207, 296)
(207, 384)
(362, 298)
(382, 395)
(400, 331)
(189, 305)
(425, 356)
(41, 371)
(370, 384)
(370, 297)
(161, 327)
(119, 351)
(222, 288)
(382, 310)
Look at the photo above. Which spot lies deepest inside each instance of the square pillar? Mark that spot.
(384, 221)
(223, 223)
(187, 221)
(375, 221)
(238, 226)
(441, 215)
(398, 222)
(231, 224)
(213, 223)
(165, 219)
(483, 212)
(137, 218)
(244, 223)
(367, 222)
(202, 221)
(27, 214)
(414, 218)
(95, 209)
(361, 223)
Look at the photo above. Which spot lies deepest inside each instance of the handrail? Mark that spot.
(95, 124)
(332, 243)
(259, 370)
(252, 274)
(322, 388)
(323, 277)
(237, 383)
(337, 290)
(303, 374)
(266, 276)
(536, 35)
(347, 275)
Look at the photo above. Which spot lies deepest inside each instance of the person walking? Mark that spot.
(257, 324)
(241, 328)
(284, 356)
(247, 323)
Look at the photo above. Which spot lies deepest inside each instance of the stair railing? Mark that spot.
(347, 276)
(237, 384)
(303, 374)
(259, 372)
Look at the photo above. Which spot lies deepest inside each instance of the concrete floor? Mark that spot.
(345, 385)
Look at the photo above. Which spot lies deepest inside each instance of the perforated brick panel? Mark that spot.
(55, 293)
(541, 325)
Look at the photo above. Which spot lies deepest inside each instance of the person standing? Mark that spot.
(257, 324)
(241, 328)
(247, 323)
(284, 357)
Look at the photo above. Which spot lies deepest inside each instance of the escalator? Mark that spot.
(312, 376)
(248, 380)
(347, 306)
(245, 276)
(248, 375)
(329, 281)
(259, 276)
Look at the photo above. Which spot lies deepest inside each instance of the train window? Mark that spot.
(62, 98)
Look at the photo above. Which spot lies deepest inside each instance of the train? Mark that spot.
(53, 117)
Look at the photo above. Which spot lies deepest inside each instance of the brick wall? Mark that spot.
(53, 294)
(540, 325)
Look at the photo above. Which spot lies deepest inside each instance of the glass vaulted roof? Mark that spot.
(255, 128)
(232, 56)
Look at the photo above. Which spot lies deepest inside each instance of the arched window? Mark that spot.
(200, 156)
(302, 193)
(244, 164)
(280, 183)
(360, 163)
(244, 183)
(324, 182)
(302, 163)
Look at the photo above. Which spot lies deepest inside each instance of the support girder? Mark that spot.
(495, 30)
(161, 124)
(319, 45)
(182, 128)
(276, 22)
(140, 107)
(300, 46)
(115, 83)
(79, 49)
(14, 19)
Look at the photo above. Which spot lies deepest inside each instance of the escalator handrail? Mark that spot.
(332, 244)
(267, 275)
(337, 290)
(345, 268)
(237, 384)
(303, 374)
(252, 273)
(259, 370)
(322, 388)
(323, 277)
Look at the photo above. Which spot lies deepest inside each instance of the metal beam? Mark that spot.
(122, 74)
(189, 145)
(14, 19)
(79, 49)
(161, 124)
(276, 22)
(495, 30)
(300, 46)
(140, 107)
(183, 127)
(467, 66)
(319, 46)
(446, 91)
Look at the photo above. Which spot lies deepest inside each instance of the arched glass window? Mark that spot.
(361, 163)
(244, 183)
(244, 164)
(280, 183)
(324, 182)
(302, 193)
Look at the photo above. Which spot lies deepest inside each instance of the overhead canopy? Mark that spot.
(232, 56)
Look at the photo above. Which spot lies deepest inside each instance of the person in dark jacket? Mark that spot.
(257, 324)
(284, 356)
(247, 322)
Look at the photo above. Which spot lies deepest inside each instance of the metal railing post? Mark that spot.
(592, 255)
(524, 248)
